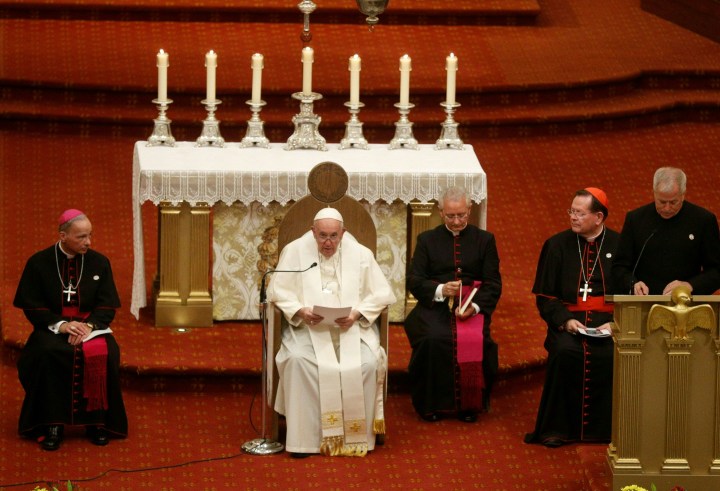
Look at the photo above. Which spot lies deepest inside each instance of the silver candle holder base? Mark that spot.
(306, 133)
(403, 130)
(449, 138)
(210, 136)
(255, 134)
(161, 135)
(353, 129)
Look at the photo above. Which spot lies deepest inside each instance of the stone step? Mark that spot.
(602, 106)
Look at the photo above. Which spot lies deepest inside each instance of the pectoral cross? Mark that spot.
(585, 291)
(70, 291)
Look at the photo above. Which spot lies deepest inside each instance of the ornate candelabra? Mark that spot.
(353, 129)
(306, 133)
(255, 134)
(210, 136)
(161, 134)
(403, 129)
(449, 135)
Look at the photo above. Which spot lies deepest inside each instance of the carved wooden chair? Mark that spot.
(327, 183)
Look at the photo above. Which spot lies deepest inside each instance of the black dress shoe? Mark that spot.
(299, 455)
(52, 438)
(467, 416)
(553, 442)
(431, 417)
(380, 439)
(97, 435)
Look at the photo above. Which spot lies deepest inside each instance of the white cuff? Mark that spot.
(439, 297)
(56, 327)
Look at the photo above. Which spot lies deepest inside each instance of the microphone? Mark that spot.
(270, 271)
(266, 445)
(642, 249)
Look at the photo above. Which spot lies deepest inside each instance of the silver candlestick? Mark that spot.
(353, 129)
(449, 137)
(210, 136)
(255, 135)
(161, 134)
(306, 133)
(307, 7)
(403, 129)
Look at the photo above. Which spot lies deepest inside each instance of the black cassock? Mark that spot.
(657, 251)
(51, 369)
(576, 403)
(433, 364)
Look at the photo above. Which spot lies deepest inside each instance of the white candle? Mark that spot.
(405, 67)
(211, 64)
(307, 60)
(257, 68)
(354, 68)
(451, 67)
(162, 65)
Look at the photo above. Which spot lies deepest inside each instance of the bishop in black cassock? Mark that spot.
(64, 283)
(572, 279)
(452, 252)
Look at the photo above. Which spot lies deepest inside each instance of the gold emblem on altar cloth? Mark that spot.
(680, 319)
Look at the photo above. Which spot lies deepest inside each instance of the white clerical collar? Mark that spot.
(69, 256)
(592, 239)
(455, 234)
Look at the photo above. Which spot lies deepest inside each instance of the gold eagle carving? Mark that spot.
(680, 319)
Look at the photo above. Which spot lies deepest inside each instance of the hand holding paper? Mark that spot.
(96, 333)
(330, 314)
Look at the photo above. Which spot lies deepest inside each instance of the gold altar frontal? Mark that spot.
(181, 287)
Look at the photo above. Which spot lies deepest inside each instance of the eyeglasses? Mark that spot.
(458, 216)
(324, 237)
(576, 213)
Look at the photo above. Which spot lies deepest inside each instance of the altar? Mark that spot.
(218, 206)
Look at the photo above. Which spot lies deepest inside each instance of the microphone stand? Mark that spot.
(265, 445)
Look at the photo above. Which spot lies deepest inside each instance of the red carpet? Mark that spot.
(576, 94)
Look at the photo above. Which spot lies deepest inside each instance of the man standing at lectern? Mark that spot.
(66, 292)
(668, 243)
(331, 371)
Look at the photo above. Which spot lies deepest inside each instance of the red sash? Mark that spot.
(596, 304)
(95, 377)
(95, 353)
(470, 356)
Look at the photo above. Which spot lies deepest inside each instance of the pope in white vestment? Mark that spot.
(331, 371)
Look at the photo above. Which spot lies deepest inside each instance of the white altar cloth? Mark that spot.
(230, 174)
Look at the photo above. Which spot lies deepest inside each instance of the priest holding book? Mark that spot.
(455, 277)
(70, 365)
(571, 281)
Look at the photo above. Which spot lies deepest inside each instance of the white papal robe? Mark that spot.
(363, 287)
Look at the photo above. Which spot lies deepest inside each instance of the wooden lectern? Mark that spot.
(666, 392)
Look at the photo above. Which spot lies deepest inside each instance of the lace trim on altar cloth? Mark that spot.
(198, 187)
(183, 173)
